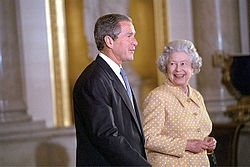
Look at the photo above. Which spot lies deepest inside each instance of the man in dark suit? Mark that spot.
(107, 120)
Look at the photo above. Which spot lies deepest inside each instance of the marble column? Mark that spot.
(216, 27)
(12, 106)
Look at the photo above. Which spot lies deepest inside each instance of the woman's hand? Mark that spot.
(196, 146)
(211, 143)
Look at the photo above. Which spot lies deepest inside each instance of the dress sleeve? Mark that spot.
(154, 115)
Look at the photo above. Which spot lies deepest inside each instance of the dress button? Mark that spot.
(195, 113)
(188, 100)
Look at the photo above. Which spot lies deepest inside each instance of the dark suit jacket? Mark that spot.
(108, 131)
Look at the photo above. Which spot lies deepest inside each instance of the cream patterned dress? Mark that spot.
(170, 117)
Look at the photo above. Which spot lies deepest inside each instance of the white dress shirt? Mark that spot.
(113, 66)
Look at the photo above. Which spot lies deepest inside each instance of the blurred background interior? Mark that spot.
(45, 44)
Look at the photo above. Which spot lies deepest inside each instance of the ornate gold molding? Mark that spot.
(224, 61)
(239, 112)
(56, 27)
(161, 30)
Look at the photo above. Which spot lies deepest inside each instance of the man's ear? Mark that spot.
(108, 41)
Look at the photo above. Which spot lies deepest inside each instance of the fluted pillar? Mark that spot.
(216, 27)
(12, 106)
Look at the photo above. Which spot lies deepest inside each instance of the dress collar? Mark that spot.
(183, 97)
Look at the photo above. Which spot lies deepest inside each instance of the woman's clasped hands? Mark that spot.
(197, 146)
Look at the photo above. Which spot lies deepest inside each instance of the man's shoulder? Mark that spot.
(93, 68)
(92, 72)
(98, 66)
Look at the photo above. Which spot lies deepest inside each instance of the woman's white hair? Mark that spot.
(179, 46)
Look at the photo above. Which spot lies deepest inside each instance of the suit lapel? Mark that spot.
(120, 90)
(124, 95)
(138, 115)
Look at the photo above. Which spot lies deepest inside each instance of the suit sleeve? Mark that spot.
(94, 105)
(154, 115)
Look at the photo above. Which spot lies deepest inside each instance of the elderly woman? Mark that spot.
(175, 120)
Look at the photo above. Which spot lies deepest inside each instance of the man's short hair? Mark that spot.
(108, 25)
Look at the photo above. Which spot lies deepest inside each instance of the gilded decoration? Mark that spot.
(55, 15)
(236, 78)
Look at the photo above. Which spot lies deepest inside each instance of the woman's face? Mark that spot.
(179, 69)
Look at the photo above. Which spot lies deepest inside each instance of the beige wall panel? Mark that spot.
(141, 11)
(77, 45)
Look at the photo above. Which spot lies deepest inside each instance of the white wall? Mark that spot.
(180, 24)
(180, 19)
(34, 43)
(244, 33)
